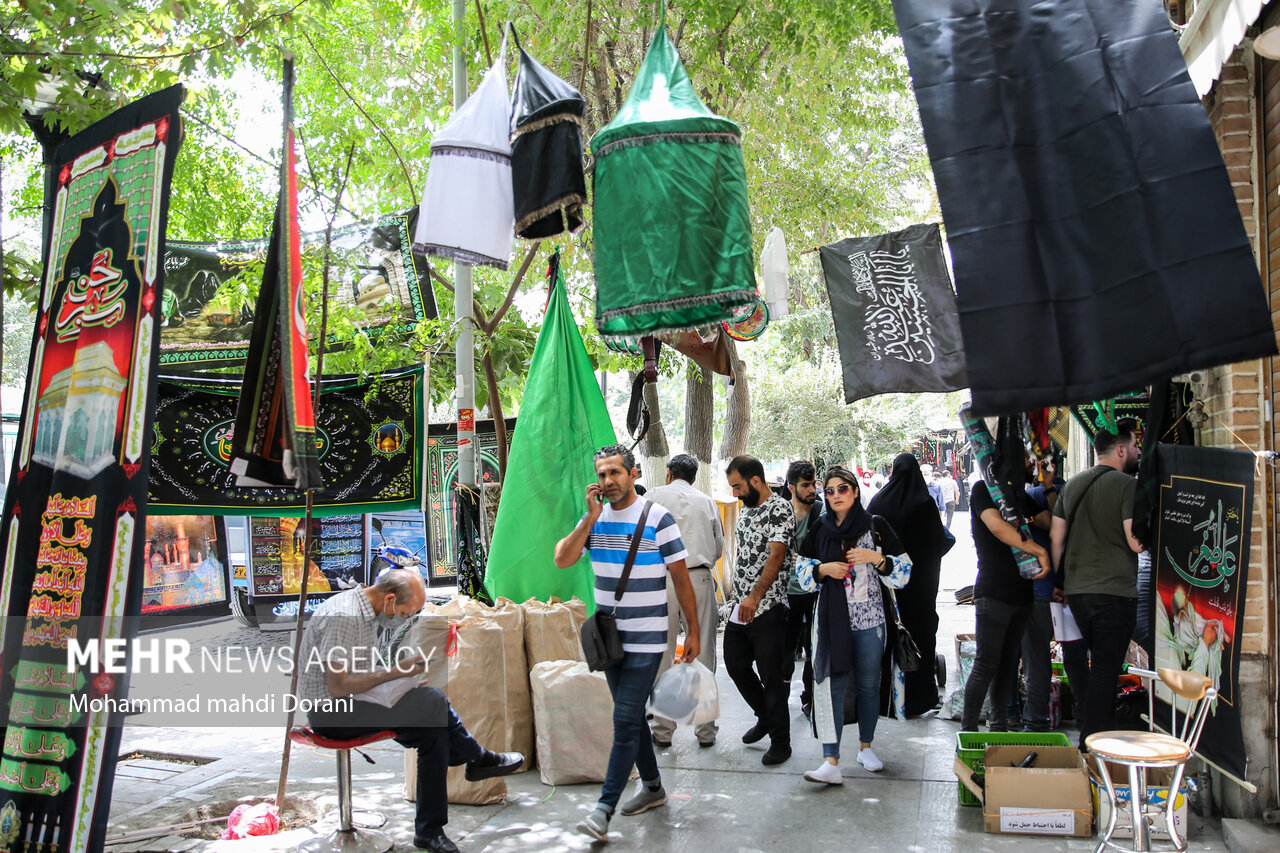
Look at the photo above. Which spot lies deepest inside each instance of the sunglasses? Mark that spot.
(842, 489)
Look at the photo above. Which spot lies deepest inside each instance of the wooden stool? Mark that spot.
(347, 838)
(1140, 751)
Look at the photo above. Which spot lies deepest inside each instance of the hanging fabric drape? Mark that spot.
(672, 228)
(546, 151)
(468, 213)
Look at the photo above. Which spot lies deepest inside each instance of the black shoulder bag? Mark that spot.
(601, 643)
(906, 654)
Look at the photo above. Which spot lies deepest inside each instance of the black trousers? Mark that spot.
(1106, 622)
(439, 747)
(800, 639)
(753, 656)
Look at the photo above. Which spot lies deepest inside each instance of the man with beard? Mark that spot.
(801, 479)
(757, 631)
(1092, 532)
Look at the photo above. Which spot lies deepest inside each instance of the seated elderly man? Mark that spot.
(343, 654)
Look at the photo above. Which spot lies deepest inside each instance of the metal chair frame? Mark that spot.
(1189, 734)
(347, 838)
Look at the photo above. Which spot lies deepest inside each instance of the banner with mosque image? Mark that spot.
(76, 508)
(1201, 573)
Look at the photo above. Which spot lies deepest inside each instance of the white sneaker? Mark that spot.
(826, 774)
(868, 759)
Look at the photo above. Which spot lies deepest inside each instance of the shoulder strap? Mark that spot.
(1075, 507)
(631, 554)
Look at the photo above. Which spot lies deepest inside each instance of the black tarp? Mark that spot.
(894, 313)
(1096, 241)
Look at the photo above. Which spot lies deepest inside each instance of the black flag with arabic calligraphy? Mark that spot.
(75, 512)
(894, 312)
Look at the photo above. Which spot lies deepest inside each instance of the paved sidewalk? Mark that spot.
(721, 799)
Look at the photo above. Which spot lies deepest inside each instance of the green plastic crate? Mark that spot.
(971, 748)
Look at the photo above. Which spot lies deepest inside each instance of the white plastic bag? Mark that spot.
(686, 693)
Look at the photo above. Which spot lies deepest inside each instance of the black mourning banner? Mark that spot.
(1085, 199)
(1201, 573)
(894, 312)
(76, 507)
(368, 443)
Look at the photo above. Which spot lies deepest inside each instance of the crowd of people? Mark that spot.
(824, 573)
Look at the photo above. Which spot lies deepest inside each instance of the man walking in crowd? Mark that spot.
(698, 518)
(1002, 601)
(757, 629)
(801, 479)
(950, 495)
(343, 647)
(1093, 533)
(607, 534)
(935, 491)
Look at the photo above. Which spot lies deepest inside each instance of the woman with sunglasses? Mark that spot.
(839, 559)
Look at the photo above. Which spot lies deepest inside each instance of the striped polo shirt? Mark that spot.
(642, 613)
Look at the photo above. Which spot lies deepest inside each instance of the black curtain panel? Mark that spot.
(1095, 236)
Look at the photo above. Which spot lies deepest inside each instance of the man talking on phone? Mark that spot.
(345, 653)
(606, 532)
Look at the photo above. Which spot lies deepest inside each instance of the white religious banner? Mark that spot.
(895, 313)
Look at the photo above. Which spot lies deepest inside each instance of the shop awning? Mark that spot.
(1213, 32)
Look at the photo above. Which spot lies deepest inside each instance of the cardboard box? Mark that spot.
(1158, 780)
(1052, 797)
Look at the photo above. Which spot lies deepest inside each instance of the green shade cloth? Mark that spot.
(563, 421)
(672, 226)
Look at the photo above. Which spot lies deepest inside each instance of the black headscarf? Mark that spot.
(827, 542)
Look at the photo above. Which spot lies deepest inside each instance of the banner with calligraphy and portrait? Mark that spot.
(894, 313)
(1201, 572)
(75, 512)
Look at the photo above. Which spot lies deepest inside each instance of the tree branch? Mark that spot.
(484, 33)
(491, 326)
(448, 285)
(408, 178)
(586, 50)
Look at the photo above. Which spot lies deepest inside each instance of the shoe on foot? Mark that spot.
(439, 843)
(595, 824)
(776, 754)
(756, 733)
(868, 759)
(659, 742)
(706, 743)
(493, 764)
(826, 774)
(645, 798)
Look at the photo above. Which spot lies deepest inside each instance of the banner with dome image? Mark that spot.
(75, 510)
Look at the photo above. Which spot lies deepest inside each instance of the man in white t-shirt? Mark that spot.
(950, 494)
(606, 533)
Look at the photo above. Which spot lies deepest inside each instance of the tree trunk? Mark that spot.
(654, 451)
(499, 416)
(699, 412)
(737, 422)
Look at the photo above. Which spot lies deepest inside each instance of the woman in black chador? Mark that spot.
(906, 504)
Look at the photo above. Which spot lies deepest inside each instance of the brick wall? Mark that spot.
(1236, 397)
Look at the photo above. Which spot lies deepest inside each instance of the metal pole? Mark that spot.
(465, 349)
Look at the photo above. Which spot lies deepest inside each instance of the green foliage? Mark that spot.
(831, 139)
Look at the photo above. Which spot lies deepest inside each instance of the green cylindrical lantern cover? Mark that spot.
(672, 226)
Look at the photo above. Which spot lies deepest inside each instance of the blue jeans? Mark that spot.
(630, 682)
(868, 652)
